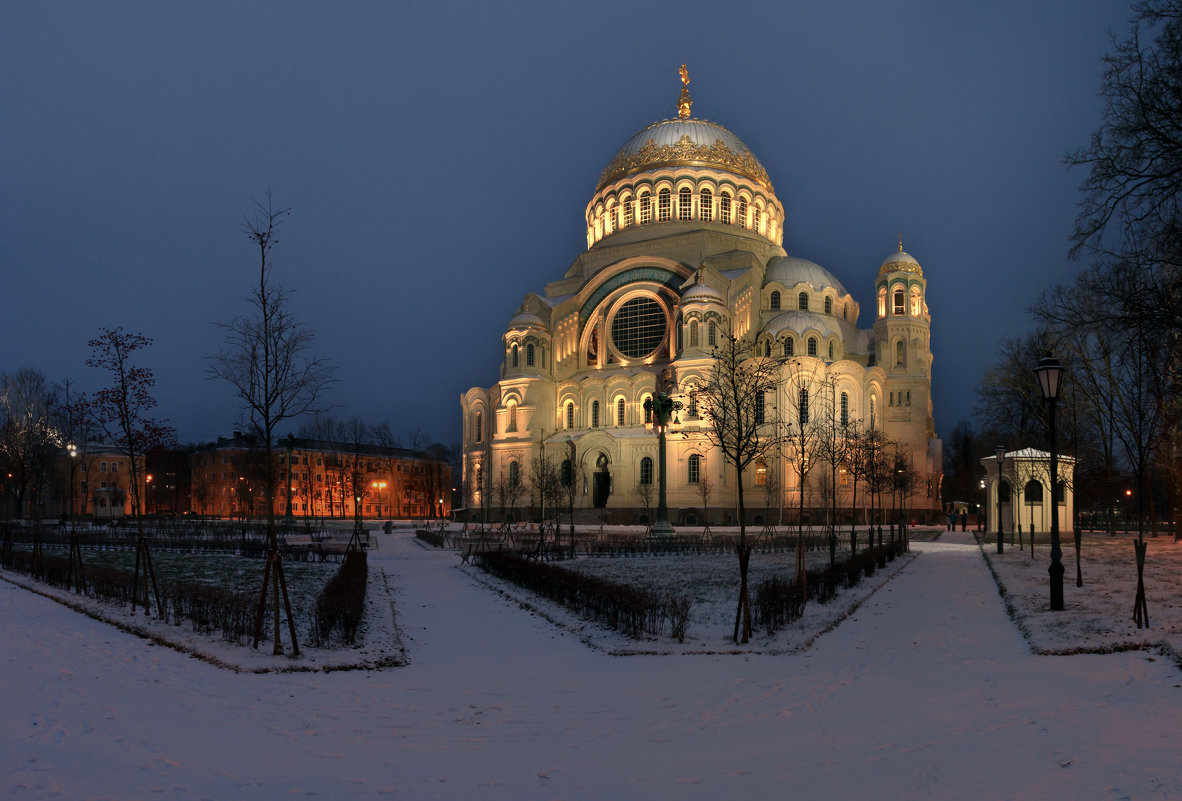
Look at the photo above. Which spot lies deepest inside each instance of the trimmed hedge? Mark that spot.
(341, 606)
(633, 612)
(779, 602)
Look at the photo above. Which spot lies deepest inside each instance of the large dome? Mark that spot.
(684, 143)
(791, 270)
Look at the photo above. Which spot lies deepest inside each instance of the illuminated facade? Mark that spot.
(326, 480)
(685, 241)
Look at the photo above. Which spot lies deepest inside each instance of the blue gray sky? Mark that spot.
(438, 159)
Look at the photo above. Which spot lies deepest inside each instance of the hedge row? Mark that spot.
(633, 612)
(337, 615)
(209, 609)
(779, 602)
(430, 537)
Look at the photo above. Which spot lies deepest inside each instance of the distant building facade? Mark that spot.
(685, 242)
(324, 480)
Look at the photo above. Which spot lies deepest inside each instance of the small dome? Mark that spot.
(684, 143)
(798, 322)
(526, 319)
(900, 262)
(702, 293)
(790, 271)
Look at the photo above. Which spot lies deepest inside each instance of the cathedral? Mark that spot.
(684, 244)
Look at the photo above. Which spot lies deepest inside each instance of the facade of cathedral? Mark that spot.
(684, 243)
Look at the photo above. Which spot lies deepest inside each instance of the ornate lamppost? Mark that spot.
(662, 408)
(1050, 379)
(1000, 453)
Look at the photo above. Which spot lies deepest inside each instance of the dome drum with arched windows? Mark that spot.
(684, 244)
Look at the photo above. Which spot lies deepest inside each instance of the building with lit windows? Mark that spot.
(321, 479)
(684, 242)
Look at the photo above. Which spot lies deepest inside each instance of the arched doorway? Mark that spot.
(601, 482)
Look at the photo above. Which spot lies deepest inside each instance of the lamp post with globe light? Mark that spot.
(1050, 379)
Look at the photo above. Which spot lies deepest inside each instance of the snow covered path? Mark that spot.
(927, 691)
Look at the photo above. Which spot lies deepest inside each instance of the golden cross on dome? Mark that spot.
(684, 102)
(900, 241)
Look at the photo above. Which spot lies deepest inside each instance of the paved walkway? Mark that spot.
(927, 691)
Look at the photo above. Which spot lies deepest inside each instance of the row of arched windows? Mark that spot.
(531, 355)
(621, 416)
(788, 348)
(703, 205)
(899, 302)
(803, 303)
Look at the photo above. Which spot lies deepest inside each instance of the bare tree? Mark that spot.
(805, 424)
(121, 411)
(705, 488)
(28, 438)
(267, 361)
(735, 397)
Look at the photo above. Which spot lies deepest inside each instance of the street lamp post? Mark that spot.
(662, 408)
(1050, 378)
(980, 509)
(379, 486)
(1000, 453)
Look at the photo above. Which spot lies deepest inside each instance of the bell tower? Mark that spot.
(902, 347)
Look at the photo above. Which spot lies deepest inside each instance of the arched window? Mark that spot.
(566, 473)
(711, 331)
(570, 414)
(513, 356)
(899, 353)
(646, 208)
(803, 406)
(724, 208)
(916, 304)
(648, 410)
(694, 469)
(646, 470)
(845, 409)
(775, 300)
(760, 408)
(693, 404)
(1033, 491)
(706, 205)
(767, 348)
(828, 305)
(789, 346)
(478, 426)
(664, 204)
(693, 333)
(757, 219)
(802, 301)
(882, 302)
(812, 346)
(529, 354)
(609, 223)
(873, 409)
(830, 351)
(595, 414)
(742, 212)
(1003, 492)
(620, 412)
(514, 471)
(685, 204)
(899, 307)
(629, 213)
(512, 425)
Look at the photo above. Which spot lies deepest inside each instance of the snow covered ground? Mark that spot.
(927, 690)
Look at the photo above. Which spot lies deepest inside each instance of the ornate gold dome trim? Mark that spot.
(685, 153)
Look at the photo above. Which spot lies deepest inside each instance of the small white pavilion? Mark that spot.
(1024, 489)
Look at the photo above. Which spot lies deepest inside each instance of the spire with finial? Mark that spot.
(684, 102)
(900, 241)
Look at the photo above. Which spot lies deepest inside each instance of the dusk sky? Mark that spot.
(438, 159)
